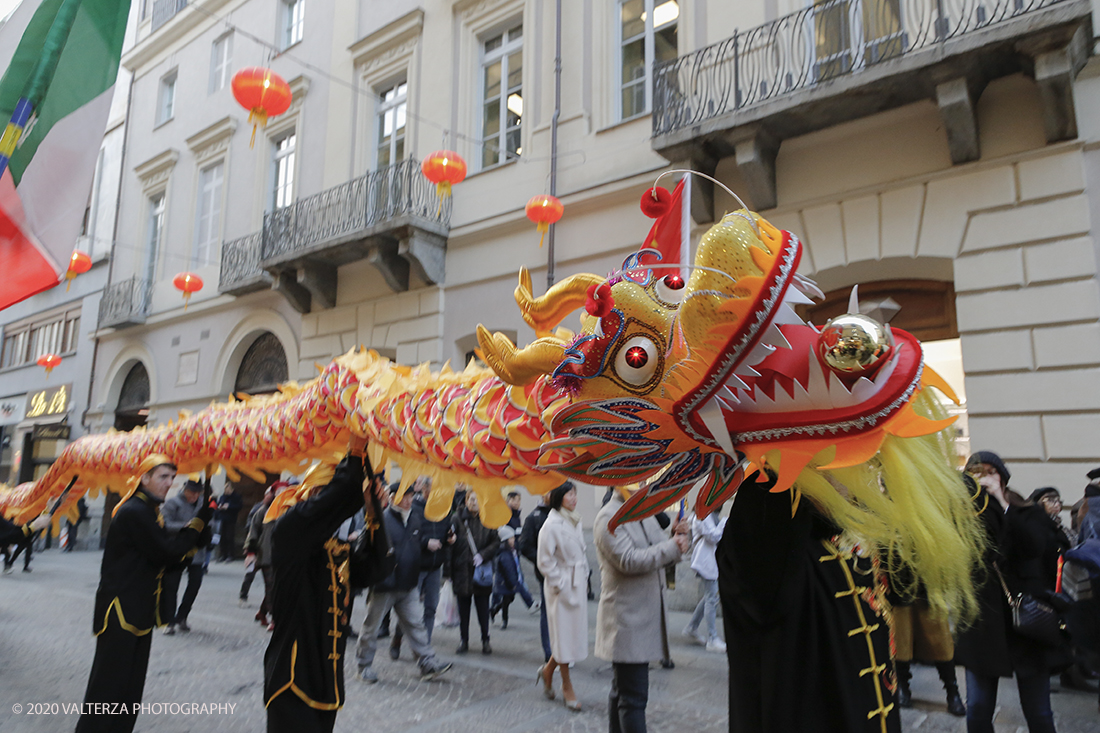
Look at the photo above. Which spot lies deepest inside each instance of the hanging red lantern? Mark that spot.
(544, 210)
(263, 93)
(444, 168)
(188, 282)
(49, 361)
(79, 263)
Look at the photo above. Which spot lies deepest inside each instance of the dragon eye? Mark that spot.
(670, 288)
(636, 362)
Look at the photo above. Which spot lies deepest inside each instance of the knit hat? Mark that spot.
(991, 459)
(506, 533)
(1040, 493)
(190, 485)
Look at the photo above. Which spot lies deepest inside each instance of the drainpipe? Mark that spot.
(554, 140)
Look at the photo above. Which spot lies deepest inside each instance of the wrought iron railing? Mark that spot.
(241, 263)
(165, 10)
(821, 42)
(350, 208)
(124, 303)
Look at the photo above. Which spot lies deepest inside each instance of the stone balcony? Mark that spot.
(391, 217)
(124, 303)
(840, 60)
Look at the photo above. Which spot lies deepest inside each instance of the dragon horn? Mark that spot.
(519, 366)
(545, 312)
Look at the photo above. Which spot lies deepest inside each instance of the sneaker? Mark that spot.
(463, 648)
(183, 626)
(534, 607)
(8, 569)
(695, 635)
(485, 648)
(716, 645)
(395, 651)
(432, 668)
(26, 570)
(243, 602)
(367, 674)
(171, 630)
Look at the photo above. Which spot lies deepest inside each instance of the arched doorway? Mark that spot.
(131, 412)
(263, 368)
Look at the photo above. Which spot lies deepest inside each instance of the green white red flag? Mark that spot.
(55, 98)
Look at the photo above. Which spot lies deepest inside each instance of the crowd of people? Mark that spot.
(775, 617)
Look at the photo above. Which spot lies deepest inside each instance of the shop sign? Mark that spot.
(52, 401)
(59, 431)
(11, 409)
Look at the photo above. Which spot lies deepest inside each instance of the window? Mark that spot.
(502, 96)
(293, 14)
(221, 58)
(391, 125)
(647, 35)
(208, 214)
(166, 100)
(282, 179)
(53, 334)
(154, 232)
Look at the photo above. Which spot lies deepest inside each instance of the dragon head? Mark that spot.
(675, 380)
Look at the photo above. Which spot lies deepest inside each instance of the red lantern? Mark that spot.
(263, 93)
(189, 283)
(49, 361)
(79, 263)
(544, 210)
(443, 168)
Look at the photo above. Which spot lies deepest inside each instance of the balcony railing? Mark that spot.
(124, 303)
(351, 210)
(241, 272)
(822, 42)
(165, 10)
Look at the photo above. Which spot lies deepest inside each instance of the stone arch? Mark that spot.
(263, 366)
(243, 336)
(120, 367)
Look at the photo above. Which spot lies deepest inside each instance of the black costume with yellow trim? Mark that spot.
(304, 663)
(806, 633)
(13, 534)
(129, 605)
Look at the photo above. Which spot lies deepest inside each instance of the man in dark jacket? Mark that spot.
(178, 511)
(304, 663)
(399, 592)
(529, 548)
(435, 541)
(129, 601)
(229, 506)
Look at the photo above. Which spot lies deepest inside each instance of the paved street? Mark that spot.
(46, 647)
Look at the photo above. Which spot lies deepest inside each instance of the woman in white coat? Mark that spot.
(564, 566)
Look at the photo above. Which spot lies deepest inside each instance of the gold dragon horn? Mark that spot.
(547, 311)
(520, 367)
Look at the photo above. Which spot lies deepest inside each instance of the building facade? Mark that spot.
(940, 157)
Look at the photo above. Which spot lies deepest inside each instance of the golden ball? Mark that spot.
(853, 343)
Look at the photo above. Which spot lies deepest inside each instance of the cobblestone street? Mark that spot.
(47, 648)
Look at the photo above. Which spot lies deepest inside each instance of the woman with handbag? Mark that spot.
(564, 566)
(992, 647)
(472, 570)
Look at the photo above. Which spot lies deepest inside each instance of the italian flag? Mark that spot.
(55, 97)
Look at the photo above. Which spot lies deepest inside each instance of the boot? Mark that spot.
(955, 704)
(905, 698)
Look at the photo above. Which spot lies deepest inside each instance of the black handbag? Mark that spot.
(372, 557)
(1032, 617)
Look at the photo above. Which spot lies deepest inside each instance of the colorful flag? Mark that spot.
(55, 97)
(671, 232)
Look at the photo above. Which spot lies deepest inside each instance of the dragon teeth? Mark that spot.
(715, 421)
(774, 337)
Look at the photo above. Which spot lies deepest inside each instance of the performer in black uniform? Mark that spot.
(808, 648)
(129, 603)
(14, 534)
(304, 663)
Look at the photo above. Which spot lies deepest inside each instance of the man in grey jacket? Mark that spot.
(178, 512)
(631, 623)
